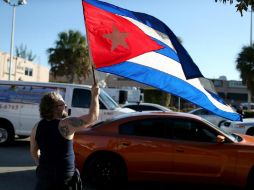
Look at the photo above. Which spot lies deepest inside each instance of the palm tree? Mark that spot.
(69, 57)
(245, 64)
(22, 51)
(241, 5)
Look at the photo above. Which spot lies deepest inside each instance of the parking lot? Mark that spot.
(17, 171)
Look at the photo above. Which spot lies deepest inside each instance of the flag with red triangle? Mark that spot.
(140, 47)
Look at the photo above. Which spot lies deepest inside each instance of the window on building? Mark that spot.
(28, 71)
(237, 96)
(218, 83)
(236, 84)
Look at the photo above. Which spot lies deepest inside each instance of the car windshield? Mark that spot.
(232, 137)
(110, 103)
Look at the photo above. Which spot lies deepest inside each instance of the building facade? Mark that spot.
(22, 69)
(232, 92)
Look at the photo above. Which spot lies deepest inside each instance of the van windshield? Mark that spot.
(110, 103)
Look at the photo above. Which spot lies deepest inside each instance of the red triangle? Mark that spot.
(103, 27)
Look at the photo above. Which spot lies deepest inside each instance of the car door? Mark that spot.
(196, 153)
(148, 150)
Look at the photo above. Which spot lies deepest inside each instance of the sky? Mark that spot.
(212, 33)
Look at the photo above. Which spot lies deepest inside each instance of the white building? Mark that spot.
(22, 69)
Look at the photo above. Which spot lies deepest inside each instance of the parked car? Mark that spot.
(146, 107)
(162, 146)
(209, 116)
(244, 127)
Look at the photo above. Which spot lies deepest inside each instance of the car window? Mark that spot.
(143, 107)
(202, 112)
(171, 128)
(149, 108)
(146, 127)
(109, 102)
(192, 131)
(81, 98)
(134, 107)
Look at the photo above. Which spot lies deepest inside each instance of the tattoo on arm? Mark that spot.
(64, 130)
(76, 122)
(70, 122)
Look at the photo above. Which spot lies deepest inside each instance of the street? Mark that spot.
(17, 171)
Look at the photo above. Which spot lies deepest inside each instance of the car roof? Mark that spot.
(196, 109)
(147, 104)
(142, 103)
(153, 114)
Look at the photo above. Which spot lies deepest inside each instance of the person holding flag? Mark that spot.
(51, 141)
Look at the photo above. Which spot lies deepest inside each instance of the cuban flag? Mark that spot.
(140, 47)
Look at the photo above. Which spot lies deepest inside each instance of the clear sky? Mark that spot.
(212, 33)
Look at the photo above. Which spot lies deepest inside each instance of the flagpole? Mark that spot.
(90, 59)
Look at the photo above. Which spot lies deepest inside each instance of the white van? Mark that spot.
(19, 105)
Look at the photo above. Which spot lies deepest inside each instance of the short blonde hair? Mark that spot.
(48, 105)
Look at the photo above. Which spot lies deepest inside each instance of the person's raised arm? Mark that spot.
(69, 125)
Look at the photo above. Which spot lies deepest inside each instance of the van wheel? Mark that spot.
(6, 135)
(220, 123)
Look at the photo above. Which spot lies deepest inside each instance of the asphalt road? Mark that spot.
(17, 172)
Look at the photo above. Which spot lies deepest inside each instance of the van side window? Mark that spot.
(81, 98)
(28, 94)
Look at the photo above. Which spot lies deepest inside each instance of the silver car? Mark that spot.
(243, 127)
(209, 116)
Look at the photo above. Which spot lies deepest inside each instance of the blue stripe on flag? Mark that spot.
(168, 83)
(166, 51)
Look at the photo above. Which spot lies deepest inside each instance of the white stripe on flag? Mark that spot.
(171, 67)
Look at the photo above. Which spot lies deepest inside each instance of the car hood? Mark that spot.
(245, 121)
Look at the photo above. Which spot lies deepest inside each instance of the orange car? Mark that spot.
(163, 146)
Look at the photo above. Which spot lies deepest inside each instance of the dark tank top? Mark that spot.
(56, 152)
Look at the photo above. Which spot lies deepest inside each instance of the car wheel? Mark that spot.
(6, 135)
(250, 131)
(250, 180)
(105, 172)
(220, 123)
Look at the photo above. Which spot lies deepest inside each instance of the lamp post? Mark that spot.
(251, 27)
(14, 5)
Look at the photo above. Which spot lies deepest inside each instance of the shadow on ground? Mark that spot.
(21, 180)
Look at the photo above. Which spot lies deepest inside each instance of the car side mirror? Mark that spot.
(220, 139)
